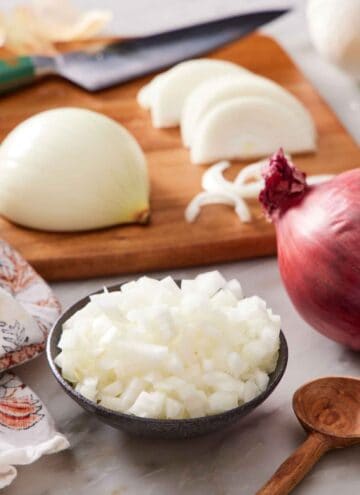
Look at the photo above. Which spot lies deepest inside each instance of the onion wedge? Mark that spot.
(209, 94)
(165, 95)
(146, 94)
(249, 127)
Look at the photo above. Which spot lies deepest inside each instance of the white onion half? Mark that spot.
(72, 169)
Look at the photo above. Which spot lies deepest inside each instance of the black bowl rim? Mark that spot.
(275, 376)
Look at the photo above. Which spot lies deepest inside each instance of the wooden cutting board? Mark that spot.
(168, 241)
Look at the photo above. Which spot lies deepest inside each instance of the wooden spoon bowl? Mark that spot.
(330, 406)
(329, 409)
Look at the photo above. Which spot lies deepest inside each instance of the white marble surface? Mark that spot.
(103, 461)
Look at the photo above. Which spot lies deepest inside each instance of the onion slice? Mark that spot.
(209, 198)
(214, 181)
(247, 185)
(252, 171)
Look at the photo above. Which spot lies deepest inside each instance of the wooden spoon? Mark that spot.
(329, 409)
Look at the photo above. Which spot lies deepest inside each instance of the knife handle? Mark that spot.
(16, 72)
(21, 71)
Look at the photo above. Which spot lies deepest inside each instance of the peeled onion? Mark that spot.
(318, 239)
(72, 169)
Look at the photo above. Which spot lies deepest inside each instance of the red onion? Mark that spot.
(318, 242)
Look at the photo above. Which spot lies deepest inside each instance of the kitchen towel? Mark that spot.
(28, 309)
(27, 431)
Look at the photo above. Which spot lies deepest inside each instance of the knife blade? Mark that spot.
(126, 60)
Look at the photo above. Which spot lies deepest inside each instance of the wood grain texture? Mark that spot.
(329, 408)
(168, 241)
(294, 469)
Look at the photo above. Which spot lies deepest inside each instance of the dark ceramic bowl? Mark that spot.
(157, 428)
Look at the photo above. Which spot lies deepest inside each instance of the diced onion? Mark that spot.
(154, 349)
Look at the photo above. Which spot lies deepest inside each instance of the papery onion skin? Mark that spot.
(318, 242)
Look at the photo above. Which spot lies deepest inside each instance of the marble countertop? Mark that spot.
(103, 461)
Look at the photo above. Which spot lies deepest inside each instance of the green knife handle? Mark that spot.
(16, 72)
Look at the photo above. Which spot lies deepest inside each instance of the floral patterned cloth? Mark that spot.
(32, 299)
(28, 309)
(26, 429)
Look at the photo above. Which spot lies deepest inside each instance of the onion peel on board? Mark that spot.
(38, 27)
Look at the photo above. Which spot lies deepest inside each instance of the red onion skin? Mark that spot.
(318, 242)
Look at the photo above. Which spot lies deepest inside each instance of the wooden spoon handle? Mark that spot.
(293, 470)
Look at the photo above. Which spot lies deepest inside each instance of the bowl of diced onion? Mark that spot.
(166, 358)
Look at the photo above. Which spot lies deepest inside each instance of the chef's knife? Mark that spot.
(125, 60)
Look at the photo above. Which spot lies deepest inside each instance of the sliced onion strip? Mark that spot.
(252, 171)
(213, 179)
(209, 198)
(247, 185)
